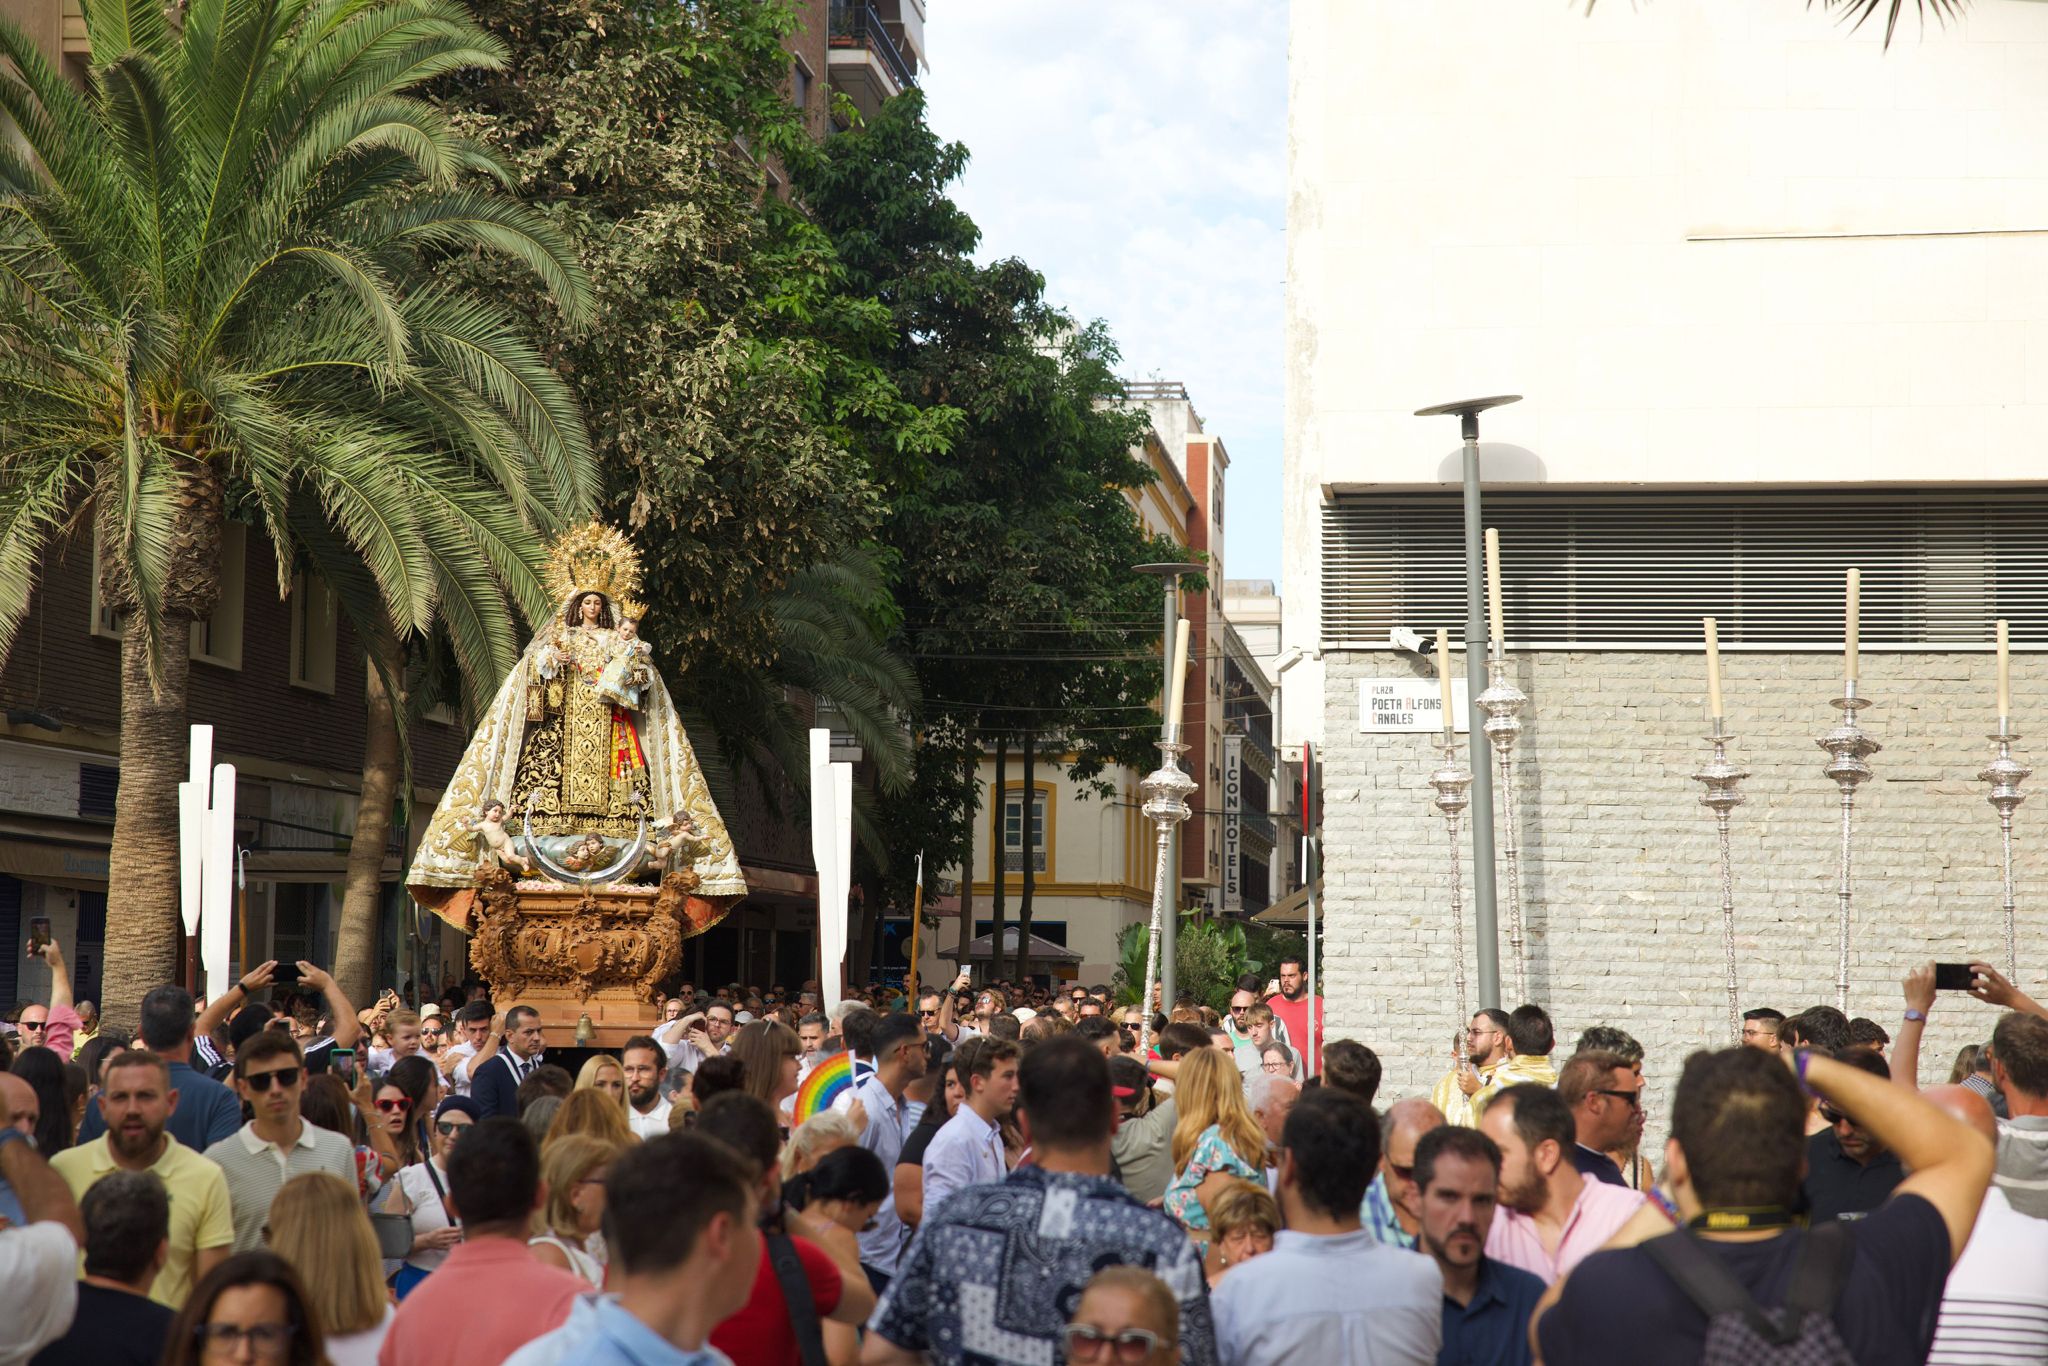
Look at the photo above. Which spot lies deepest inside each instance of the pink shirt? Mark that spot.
(489, 1299)
(1599, 1214)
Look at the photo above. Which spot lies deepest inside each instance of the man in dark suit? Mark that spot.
(495, 1085)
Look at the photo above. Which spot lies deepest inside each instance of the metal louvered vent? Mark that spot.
(1635, 571)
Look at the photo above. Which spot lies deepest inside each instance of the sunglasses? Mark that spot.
(929, 1014)
(35, 1025)
(448, 1128)
(1086, 1342)
(283, 1076)
(1634, 1098)
(1239, 1010)
(1834, 1116)
(1401, 1173)
(394, 1107)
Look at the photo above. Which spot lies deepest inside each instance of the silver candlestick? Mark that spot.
(1849, 745)
(1166, 790)
(1724, 782)
(2005, 774)
(1451, 782)
(1503, 702)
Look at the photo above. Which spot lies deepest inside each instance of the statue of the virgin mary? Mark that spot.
(581, 742)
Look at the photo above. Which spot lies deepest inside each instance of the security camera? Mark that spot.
(1401, 638)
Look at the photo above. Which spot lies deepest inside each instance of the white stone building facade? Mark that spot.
(1778, 300)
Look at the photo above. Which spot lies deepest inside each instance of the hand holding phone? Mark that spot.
(1954, 977)
(38, 934)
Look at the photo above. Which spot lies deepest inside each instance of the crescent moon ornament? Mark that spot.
(610, 873)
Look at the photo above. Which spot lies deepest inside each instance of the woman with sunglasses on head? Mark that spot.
(423, 1193)
(1126, 1316)
(251, 1307)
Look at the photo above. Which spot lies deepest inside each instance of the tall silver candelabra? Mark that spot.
(1451, 782)
(2005, 774)
(1166, 790)
(1849, 745)
(1503, 702)
(1724, 783)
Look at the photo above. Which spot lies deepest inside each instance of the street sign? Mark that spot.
(1410, 704)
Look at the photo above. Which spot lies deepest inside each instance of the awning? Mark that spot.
(75, 865)
(1042, 950)
(1292, 909)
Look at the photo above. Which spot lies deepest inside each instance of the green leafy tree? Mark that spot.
(220, 296)
(1016, 536)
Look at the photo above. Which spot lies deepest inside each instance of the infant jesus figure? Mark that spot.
(497, 842)
(623, 680)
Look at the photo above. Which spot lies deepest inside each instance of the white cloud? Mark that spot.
(1134, 152)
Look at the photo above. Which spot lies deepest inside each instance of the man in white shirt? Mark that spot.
(1995, 1292)
(899, 1060)
(646, 1109)
(1327, 1291)
(477, 1045)
(694, 1038)
(968, 1148)
(39, 1258)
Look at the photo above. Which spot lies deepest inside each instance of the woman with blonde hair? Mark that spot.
(815, 1137)
(317, 1224)
(574, 1168)
(1242, 1222)
(1215, 1138)
(769, 1052)
(603, 1073)
(592, 1113)
(1125, 1314)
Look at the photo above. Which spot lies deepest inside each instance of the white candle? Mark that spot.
(1178, 676)
(2004, 672)
(1500, 637)
(1443, 675)
(1713, 668)
(1851, 624)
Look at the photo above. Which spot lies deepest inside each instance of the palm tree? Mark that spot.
(219, 297)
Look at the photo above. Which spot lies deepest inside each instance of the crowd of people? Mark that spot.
(1016, 1173)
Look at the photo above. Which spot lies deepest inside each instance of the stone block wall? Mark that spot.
(1619, 874)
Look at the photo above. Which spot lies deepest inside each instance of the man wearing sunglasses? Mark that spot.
(275, 1146)
(1849, 1170)
(1604, 1092)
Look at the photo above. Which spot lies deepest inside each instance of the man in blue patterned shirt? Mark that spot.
(996, 1271)
(1393, 1206)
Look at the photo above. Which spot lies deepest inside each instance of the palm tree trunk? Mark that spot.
(144, 932)
(967, 854)
(998, 854)
(362, 901)
(1030, 859)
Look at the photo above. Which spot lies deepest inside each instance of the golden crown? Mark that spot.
(630, 609)
(594, 558)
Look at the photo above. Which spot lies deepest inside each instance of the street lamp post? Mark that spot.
(1484, 913)
(1170, 574)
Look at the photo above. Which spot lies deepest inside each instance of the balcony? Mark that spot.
(864, 60)
(1257, 830)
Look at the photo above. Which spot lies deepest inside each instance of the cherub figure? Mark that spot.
(667, 842)
(588, 853)
(497, 841)
(625, 675)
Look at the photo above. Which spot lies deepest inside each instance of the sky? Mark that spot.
(1135, 153)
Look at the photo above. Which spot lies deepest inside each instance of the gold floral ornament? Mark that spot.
(630, 609)
(593, 558)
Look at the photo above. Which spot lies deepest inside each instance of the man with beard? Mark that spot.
(1464, 1090)
(1486, 1303)
(136, 1103)
(643, 1060)
(1554, 1217)
(1294, 1008)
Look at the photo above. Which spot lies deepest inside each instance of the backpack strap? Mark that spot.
(796, 1294)
(1822, 1271)
(1711, 1286)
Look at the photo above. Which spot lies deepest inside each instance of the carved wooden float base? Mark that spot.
(571, 951)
